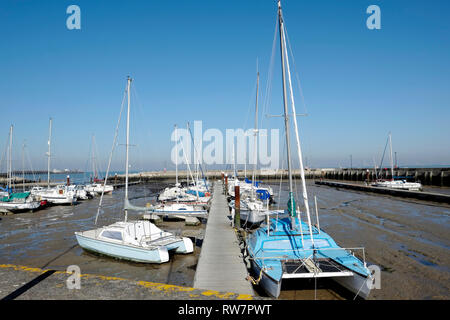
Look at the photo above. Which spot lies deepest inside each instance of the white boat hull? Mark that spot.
(252, 217)
(59, 200)
(13, 207)
(398, 185)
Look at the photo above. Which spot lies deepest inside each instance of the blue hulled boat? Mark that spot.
(286, 247)
(280, 252)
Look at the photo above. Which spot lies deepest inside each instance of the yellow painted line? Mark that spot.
(167, 288)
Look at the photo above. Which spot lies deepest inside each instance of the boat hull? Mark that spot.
(356, 284)
(252, 217)
(132, 253)
(18, 207)
(185, 245)
(271, 286)
(59, 200)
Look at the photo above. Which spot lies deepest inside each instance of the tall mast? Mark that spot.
(23, 167)
(94, 169)
(127, 146)
(255, 132)
(49, 152)
(392, 160)
(299, 149)
(176, 156)
(10, 158)
(291, 203)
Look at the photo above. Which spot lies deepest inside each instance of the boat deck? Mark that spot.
(220, 266)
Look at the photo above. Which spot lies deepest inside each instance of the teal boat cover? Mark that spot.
(15, 196)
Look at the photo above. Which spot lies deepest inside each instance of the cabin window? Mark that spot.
(182, 209)
(116, 235)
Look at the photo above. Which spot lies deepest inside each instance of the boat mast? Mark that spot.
(392, 160)
(256, 134)
(49, 153)
(291, 202)
(23, 167)
(10, 158)
(127, 146)
(299, 149)
(176, 156)
(94, 169)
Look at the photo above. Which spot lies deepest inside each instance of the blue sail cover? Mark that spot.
(262, 194)
(200, 194)
(9, 190)
(247, 180)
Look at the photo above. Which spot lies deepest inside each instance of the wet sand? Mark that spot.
(46, 239)
(408, 240)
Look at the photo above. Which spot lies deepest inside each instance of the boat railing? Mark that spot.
(313, 250)
(159, 236)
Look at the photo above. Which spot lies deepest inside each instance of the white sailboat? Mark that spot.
(79, 190)
(177, 201)
(253, 210)
(98, 188)
(11, 202)
(58, 195)
(401, 184)
(95, 187)
(139, 241)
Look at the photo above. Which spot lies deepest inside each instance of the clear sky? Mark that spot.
(196, 60)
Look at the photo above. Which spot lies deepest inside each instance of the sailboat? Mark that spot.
(15, 201)
(400, 184)
(96, 187)
(177, 201)
(139, 241)
(253, 210)
(59, 194)
(178, 193)
(286, 247)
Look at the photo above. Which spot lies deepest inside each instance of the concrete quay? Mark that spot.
(29, 283)
(420, 195)
(427, 176)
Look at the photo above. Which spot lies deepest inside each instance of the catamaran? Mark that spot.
(286, 247)
(139, 241)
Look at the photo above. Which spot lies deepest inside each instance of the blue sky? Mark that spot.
(195, 60)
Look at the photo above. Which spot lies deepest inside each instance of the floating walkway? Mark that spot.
(220, 266)
(427, 196)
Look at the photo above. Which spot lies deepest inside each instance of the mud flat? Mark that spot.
(45, 239)
(408, 240)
